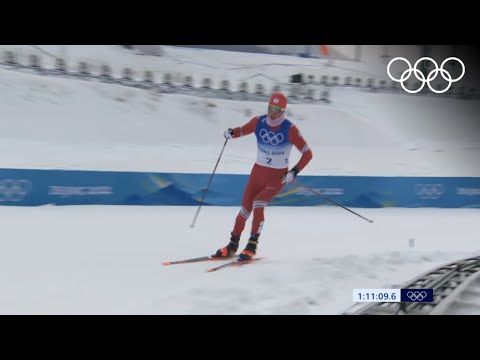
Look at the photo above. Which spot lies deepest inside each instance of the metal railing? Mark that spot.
(448, 283)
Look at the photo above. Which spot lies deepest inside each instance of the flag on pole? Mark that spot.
(324, 50)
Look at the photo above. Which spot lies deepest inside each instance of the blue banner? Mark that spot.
(21, 187)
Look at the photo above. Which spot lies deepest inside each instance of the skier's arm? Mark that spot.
(297, 139)
(246, 129)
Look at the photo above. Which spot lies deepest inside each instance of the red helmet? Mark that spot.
(278, 100)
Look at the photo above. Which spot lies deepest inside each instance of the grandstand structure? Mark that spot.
(300, 87)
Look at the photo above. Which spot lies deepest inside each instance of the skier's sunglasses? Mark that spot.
(275, 109)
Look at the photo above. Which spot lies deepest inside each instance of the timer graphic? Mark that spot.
(392, 295)
(376, 295)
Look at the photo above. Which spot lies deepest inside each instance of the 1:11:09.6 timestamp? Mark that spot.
(376, 295)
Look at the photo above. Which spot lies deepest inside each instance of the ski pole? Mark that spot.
(206, 189)
(332, 201)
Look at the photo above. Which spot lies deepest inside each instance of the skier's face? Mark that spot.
(274, 112)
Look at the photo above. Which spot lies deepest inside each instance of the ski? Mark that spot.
(234, 263)
(199, 259)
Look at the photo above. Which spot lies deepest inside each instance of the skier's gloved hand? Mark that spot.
(290, 176)
(228, 134)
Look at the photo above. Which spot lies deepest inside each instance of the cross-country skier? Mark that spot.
(275, 136)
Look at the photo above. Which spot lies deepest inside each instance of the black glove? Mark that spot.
(290, 175)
